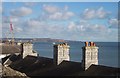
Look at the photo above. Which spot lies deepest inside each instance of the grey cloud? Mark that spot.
(22, 11)
(61, 15)
(99, 13)
(50, 8)
(87, 29)
(57, 13)
(75, 31)
(113, 23)
(89, 13)
(30, 4)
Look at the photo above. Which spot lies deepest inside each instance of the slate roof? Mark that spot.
(31, 63)
(11, 58)
(42, 66)
(100, 70)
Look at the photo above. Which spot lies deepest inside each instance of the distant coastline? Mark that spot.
(48, 40)
(40, 40)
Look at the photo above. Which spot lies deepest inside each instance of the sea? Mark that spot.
(107, 52)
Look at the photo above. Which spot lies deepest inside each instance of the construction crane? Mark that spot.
(7, 39)
(12, 33)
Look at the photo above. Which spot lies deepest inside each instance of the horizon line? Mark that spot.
(66, 39)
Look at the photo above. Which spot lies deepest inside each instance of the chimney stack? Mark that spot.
(61, 52)
(89, 55)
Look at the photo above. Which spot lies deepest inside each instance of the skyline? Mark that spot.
(81, 21)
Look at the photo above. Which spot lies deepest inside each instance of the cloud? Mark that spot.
(91, 32)
(50, 8)
(57, 13)
(57, 21)
(68, 14)
(18, 29)
(81, 30)
(61, 15)
(30, 4)
(101, 13)
(38, 28)
(22, 11)
(42, 26)
(97, 29)
(33, 23)
(95, 13)
(72, 26)
(66, 7)
(87, 29)
(8, 19)
(113, 23)
(89, 13)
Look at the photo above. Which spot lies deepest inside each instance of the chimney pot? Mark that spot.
(86, 43)
(94, 44)
(91, 43)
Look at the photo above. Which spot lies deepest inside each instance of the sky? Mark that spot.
(81, 21)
